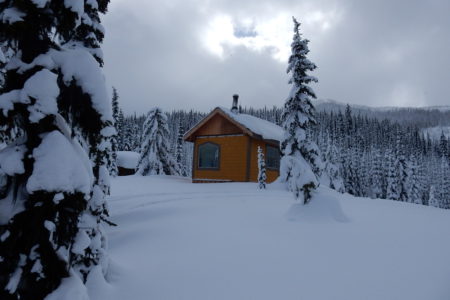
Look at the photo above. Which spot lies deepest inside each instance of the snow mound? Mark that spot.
(266, 129)
(70, 288)
(127, 159)
(325, 208)
(96, 284)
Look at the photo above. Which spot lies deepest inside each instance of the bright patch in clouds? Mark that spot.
(273, 35)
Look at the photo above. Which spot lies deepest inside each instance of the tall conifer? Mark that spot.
(155, 156)
(301, 164)
(54, 92)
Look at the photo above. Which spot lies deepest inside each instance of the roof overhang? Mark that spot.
(190, 135)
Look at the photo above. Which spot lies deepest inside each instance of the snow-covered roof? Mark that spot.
(267, 130)
(127, 159)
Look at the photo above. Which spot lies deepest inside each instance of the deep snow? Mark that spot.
(178, 240)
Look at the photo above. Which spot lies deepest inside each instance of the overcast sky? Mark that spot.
(183, 54)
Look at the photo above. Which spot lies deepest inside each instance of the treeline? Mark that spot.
(385, 159)
(421, 117)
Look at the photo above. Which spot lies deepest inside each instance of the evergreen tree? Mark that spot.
(376, 181)
(120, 125)
(413, 181)
(301, 164)
(114, 139)
(355, 169)
(58, 181)
(135, 138)
(432, 199)
(332, 170)
(99, 130)
(443, 147)
(179, 150)
(392, 177)
(400, 165)
(443, 192)
(261, 169)
(348, 126)
(155, 157)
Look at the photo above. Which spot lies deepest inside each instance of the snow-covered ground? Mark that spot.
(178, 240)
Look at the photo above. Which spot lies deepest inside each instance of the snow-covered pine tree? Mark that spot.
(352, 180)
(55, 93)
(120, 131)
(443, 192)
(131, 133)
(301, 164)
(400, 165)
(413, 181)
(443, 145)
(179, 151)
(261, 169)
(432, 199)
(127, 136)
(155, 157)
(392, 176)
(332, 169)
(376, 178)
(364, 172)
(135, 137)
(114, 139)
(95, 125)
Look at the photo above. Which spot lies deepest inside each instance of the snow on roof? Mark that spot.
(266, 129)
(127, 159)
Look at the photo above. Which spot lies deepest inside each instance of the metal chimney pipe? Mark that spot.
(234, 108)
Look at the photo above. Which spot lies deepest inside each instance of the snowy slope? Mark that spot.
(435, 132)
(178, 240)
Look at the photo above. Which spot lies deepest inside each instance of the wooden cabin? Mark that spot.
(226, 144)
(127, 162)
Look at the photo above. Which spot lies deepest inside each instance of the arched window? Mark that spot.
(208, 156)
(272, 157)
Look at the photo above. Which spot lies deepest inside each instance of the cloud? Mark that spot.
(197, 53)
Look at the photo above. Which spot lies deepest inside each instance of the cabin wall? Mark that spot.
(233, 158)
(125, 172)
(271, 175)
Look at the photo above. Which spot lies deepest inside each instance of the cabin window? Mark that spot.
(208, 156)
(272, 158)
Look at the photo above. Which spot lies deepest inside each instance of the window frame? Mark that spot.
(198, 157)
(266, 157)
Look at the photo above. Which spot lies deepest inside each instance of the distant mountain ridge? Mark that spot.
(423, 117)
(335, 103)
